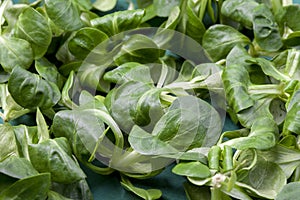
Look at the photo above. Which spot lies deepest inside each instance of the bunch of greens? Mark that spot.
(116, 100)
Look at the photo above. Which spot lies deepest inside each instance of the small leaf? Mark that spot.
(192, 169)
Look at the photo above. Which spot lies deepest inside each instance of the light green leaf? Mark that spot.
(105, 5)
(34, 27)
(15, 52)
(192, 169)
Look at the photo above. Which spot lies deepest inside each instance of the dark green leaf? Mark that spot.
(118, 22)
(85, 40)
(240, 11)
(265, 28)
(219, 39)
(50, 156)
(291, 17)
(31, 91)
(56, 196)
(64, 14)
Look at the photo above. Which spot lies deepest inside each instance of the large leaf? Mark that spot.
(33, 187)
(265, 179)
(34, 27)
(85, 40)
(287, 159)
(291, 17)
(64, 14)
(124, 103)
(15, 52)
(31, 91)
(219, 39)
(240, 11)
(50, 156)
(265, 28)
(190, 122)
(118, 22)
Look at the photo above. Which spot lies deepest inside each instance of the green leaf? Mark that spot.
(190, 122)
(287, 159)
(147, 144)
(190, 23)
(15, 52)
(143, 193)
(289, 191)
(42, 127)
(33, 187)
(8, 143)
(138, 48)
(265, 28)
(34, 27)
(265, 179)
(16, 167)
(50, 156)
(49, 72)
(31, 91)
(291, 17)
(123, 103)
(76, 191)
(130, 71)
(240, 11)
(118, 22)
(104, 5)
(192, 169)
(291, 122)
(261, 136)
(85, 40)
(219, 39)
(163, 8)
(64, 14)
(236, 80)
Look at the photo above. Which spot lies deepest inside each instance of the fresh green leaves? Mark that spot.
(34, 27)
(31, 91)
(67, 18)
(219, 39)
